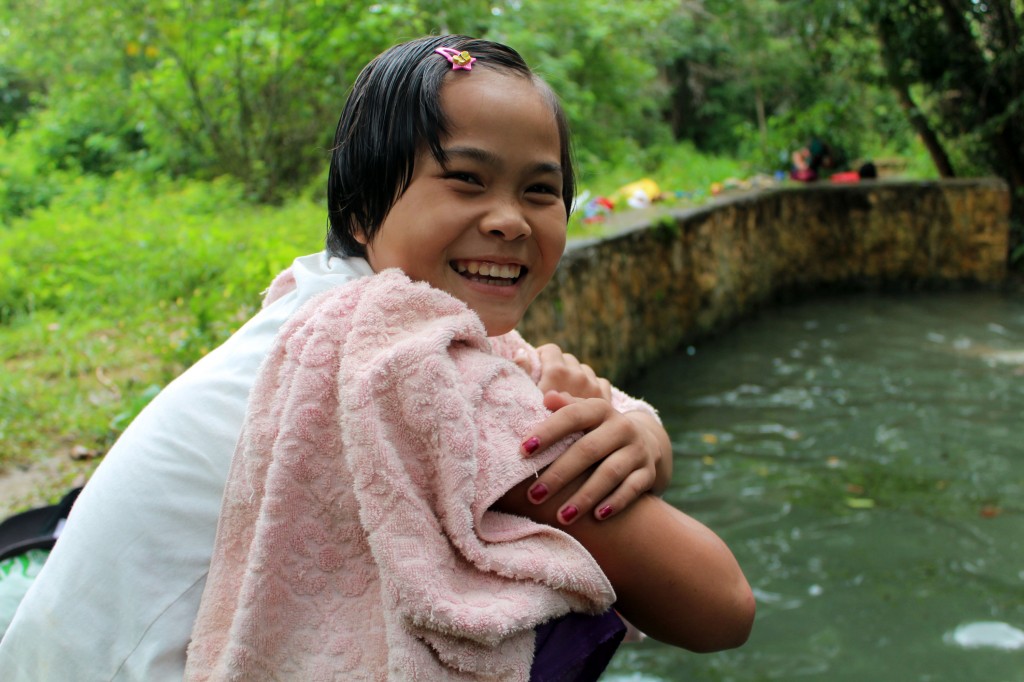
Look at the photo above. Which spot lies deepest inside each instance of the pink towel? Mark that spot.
(356, 540)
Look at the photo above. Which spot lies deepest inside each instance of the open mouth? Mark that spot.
(504, 275)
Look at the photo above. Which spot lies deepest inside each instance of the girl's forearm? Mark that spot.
(675, 579)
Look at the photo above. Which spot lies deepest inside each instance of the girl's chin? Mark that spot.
(497, 329)
(498, 324)
(499, 317)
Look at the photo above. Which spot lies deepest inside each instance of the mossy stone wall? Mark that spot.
(668, 279)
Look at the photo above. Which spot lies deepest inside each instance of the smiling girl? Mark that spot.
(412, 491)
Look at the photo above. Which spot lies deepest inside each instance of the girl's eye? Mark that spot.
(542, 188)
(462, 177)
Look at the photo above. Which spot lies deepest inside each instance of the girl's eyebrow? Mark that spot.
(486, 157)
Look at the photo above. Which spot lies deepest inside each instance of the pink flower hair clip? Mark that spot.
(459, 60)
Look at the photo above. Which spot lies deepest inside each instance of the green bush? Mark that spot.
(128, 243)
(26, 179)
(15, 98)
(115, 288)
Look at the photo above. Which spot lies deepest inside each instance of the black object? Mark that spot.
(868, 171)
(35, 528)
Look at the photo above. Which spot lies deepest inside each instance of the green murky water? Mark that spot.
(864, 458)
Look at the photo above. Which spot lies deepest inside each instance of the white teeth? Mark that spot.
(490, 270)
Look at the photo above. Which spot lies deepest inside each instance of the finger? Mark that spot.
(587, 383)
(571, 361)
(550, 430)
(555, 427)
(549, 348)
(589, 373)
(576, 417)
(578, 458)
(636, 484)
(597, 386)
(581, 379)
(553, 372)
(611, 487)
(612, 454)
(570, 415)
(556, 400)
(550, 356)
(522, 360)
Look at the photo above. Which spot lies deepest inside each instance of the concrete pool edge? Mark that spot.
(666, 279)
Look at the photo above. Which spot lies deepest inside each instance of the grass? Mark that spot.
(684, 176)
(679, 168)
(110, 293)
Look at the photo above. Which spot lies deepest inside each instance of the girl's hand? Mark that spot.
(564, 372)
(629, 450)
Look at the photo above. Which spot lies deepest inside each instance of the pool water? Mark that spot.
(864, 458)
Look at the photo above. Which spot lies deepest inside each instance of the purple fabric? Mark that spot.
(576, 647)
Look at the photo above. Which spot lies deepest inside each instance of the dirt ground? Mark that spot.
(40, 483)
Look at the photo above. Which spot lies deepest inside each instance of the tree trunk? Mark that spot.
(991, 76)
(884, 26)
(762, 120)
(924, 131)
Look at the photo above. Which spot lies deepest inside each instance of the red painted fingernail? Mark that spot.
(538, 492)
(569, 513)
(531, 445)
(604, 512)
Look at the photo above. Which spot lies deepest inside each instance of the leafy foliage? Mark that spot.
(15, 98)
(252, 88)
(790, 82)
(959, 67)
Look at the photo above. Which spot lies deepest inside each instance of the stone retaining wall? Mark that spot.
(669, 278)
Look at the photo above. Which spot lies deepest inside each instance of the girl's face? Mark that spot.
(490, 228)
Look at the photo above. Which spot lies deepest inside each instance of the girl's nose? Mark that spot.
(505, 219)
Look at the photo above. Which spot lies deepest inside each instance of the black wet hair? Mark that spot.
(393, 111)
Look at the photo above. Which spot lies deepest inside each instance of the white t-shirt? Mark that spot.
(118, 595)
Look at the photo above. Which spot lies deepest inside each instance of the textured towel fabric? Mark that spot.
(356, 540)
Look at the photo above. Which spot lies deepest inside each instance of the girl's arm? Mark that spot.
(621, 434)
(675, 579)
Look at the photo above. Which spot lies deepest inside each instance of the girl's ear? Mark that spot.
(360, 235)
